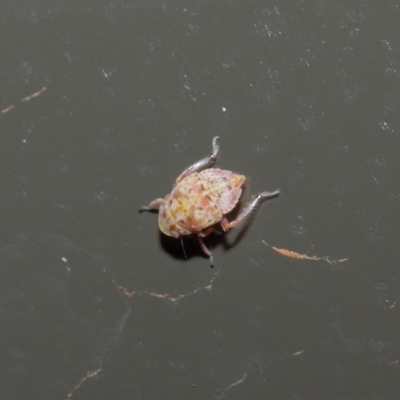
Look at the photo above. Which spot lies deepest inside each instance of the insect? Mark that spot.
(201, 198)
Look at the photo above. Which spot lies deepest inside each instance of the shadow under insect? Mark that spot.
(187, 247)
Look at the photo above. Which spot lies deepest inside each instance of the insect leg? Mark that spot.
(203, 163)
(250, 208)
(206, 232)
(206, 251)
(154, 205)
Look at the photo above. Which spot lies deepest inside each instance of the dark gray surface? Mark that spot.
(305, 98)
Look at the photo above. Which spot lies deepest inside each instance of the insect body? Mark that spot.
(202, 198)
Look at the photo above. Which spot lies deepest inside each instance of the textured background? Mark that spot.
(103, 104)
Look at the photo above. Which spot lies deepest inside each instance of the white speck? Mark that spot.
(68, 56)
(64, 259)
(106, 74)
(387, 45)
(223, 109)
(385, 126)
(376, 180)
(23, 140)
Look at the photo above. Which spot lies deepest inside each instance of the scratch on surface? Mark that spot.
(299, 353)
(299, 256)
(238, 382)
(27, 98)
(89, 375)
(167, 296)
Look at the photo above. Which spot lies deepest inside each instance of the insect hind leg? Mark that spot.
(250, 209)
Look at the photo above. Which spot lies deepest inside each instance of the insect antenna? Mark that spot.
(183, 248)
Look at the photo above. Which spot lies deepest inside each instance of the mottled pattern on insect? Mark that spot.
(201, 198)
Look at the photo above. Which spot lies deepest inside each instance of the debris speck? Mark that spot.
(27, 98)
(36, 94)
(238, 382)
(89, 375)
(6, 110)
(299, 256)
(167, 296)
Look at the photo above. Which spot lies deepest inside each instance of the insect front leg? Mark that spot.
(250, 208)
(153, 205)
(203, 163)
